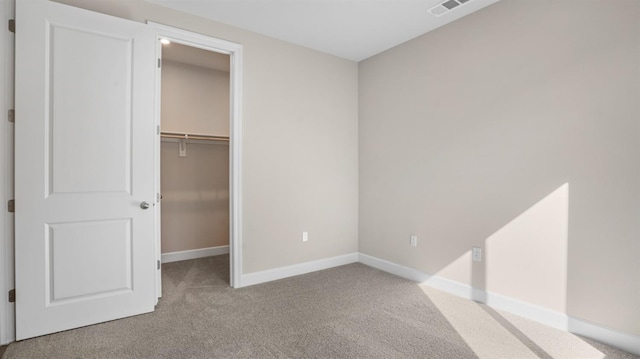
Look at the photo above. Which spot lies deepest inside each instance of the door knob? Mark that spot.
(144, 205)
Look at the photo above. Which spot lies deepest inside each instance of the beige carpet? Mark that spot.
(352, 311)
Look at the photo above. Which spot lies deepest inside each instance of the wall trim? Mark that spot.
(562, 321)
(620, 340)
(194, 253)
(536, 313)
(539, 314)
(297, 269)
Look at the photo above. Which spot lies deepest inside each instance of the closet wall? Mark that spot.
(195, 188)
(195, 99)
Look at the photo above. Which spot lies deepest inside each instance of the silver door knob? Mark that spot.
(144, 205)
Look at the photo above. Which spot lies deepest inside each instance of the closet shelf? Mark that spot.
(193, 136)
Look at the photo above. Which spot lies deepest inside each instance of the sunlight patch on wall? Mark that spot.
(527, 258)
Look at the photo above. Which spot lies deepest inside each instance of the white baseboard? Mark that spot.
(624, 341)
(530, 311)
(390, 267)
(194, 253)
(296, 269)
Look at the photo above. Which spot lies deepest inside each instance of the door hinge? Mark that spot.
(11, 116)
(158, 264)
(11, 206)
(159, 63)
(12, 296)
(157, 129)
(12, 25)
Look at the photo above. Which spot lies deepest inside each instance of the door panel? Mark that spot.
(105, 267)
(85, 249)
(75, 78)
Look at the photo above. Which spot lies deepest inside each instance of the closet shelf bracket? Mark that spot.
(183, 147)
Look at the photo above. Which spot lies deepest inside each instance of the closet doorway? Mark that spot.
(198, 151)
(194, 153)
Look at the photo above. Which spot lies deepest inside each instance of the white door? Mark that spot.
(85, 250)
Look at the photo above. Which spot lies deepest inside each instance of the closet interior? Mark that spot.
(194, 153)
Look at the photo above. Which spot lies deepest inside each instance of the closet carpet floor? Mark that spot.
(352, 311)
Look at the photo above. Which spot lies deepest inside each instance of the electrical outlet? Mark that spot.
(305, 236)
(414, 240)
(476, 254)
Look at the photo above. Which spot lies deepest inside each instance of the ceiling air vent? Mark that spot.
(446, 6)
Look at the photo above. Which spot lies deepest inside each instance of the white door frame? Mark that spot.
(235, 134)
(7, 310)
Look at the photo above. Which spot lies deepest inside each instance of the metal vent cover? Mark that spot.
(446, 6)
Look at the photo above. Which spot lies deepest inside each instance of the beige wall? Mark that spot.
(195, 188)
(195, 196)
(194, 99)
(300, 141)
(515, 130)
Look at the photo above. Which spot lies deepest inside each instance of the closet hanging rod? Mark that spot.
(189, 136)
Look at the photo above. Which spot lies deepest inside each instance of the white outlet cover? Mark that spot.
(476, 253)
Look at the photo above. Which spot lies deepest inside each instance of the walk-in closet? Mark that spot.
(194, 153)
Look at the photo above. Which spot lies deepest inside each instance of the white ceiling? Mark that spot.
(352, 29)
